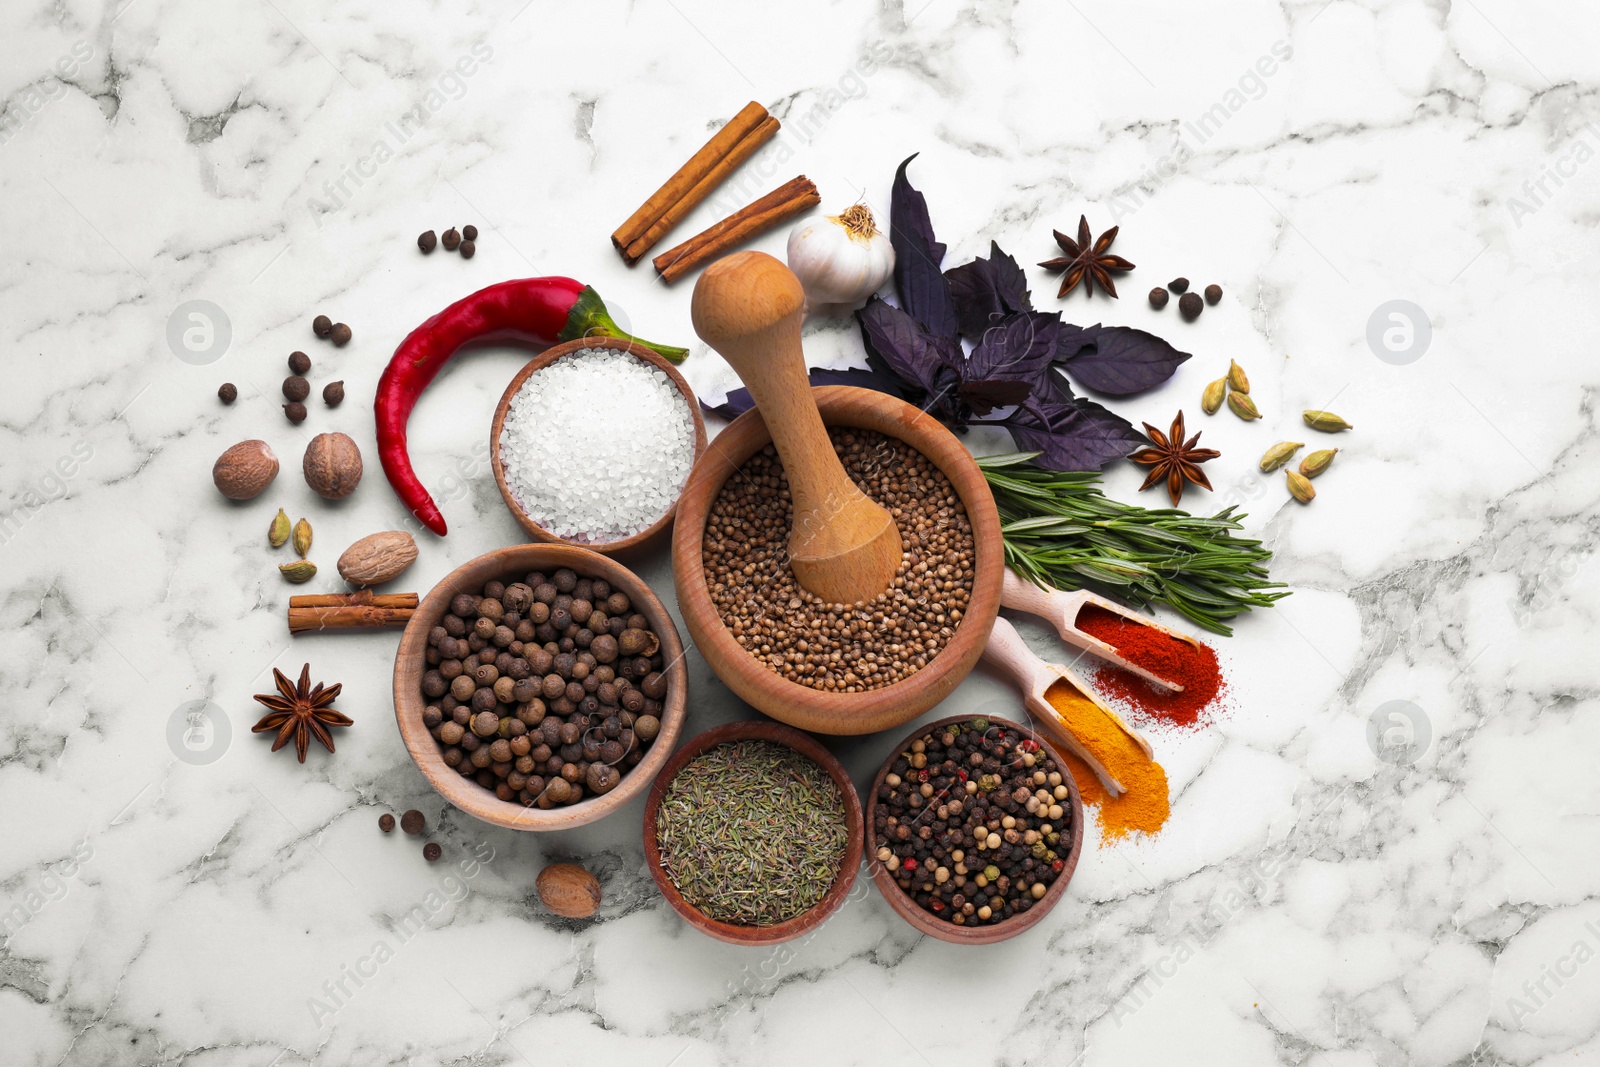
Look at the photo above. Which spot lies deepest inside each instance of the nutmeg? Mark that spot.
(243, 471)
(378, 558)
(332, 465)
(568, 890)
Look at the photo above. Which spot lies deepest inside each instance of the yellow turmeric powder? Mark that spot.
(1144, 805)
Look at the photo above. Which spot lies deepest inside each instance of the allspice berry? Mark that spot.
(469, 232)
(427, 241)
(322, 326)
(333, 393)
(413, 822)
(296, 388)
(1191, 305)
(431, 851)
(1179, 285)
(1158, 298)
(299, 362)
(295, 412)
(228, 393)
(332, 465)
(339, 335)
(386, 823)
(468, 249)
(245, 470)
(1213, 293)
(568, 890)
(451, 239)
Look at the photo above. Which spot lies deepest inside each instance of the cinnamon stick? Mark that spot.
(362, 610)
(702, 189)
(793, 198)
(689, 185)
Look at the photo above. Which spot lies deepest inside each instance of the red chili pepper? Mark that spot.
(542, 311)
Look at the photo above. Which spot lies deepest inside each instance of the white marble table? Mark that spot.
(1308, 903)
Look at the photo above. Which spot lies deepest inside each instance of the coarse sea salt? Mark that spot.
(597, 446)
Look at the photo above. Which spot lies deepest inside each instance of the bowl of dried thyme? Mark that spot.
(753, 833)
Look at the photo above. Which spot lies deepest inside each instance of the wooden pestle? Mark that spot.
(844, 547)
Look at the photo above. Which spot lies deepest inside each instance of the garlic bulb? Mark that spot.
(841, 259)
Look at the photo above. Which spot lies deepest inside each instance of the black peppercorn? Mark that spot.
(451, 239)
(427, 241)
(296, 388)
(413, 822)
(339, 335)
(295, 412)
(1213, 293)
(1158, 298)
(1191, 305)
(333, 394)
(322, 326)
(228, 393)
(386, 822)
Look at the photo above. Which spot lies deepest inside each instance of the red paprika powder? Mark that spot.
(1194, 667)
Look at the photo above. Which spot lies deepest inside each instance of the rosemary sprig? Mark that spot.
(1061, 531)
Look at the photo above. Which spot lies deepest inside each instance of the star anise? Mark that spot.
(1085, 262)
(301, 712)
(1172, 458)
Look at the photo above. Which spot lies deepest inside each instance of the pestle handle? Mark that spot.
(748, 306)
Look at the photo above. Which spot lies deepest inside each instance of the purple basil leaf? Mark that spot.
(1018, 348)
(1072, 340)
(900, 343)
(986, 291)
(924, 293)
(1123, 361)
(1080, 436)
(983, 397)
(739, 401)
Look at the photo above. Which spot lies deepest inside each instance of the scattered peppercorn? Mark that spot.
(1191, 305)
(427, 241)
(469, 232)
(413, 822)
(468, 248)
(296, 388)
(228, 393)
(451, 240)
(1213, 293)
(1158, 298)
(295, 412)
(322, 326)
(339, 335)
(1179, 285)
(386, 823)
(333, 393)
(431, 851)
(299, 362)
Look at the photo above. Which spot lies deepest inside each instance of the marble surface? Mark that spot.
(1309, 902)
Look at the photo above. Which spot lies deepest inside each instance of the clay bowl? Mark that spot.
(929, 924)
(788, 930)
(409, 666)
(790, 702)
(624, 545)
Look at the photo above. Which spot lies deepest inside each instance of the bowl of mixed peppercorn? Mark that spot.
(976, 828)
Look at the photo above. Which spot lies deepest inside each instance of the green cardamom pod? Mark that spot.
(1279, 454)
(1326, 421)
(1243, 406)
(1211, 399)
(301, 570)
(1300, 487)
(278, 532)
(1317, 462)
(302, 537)
(1237, 379)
